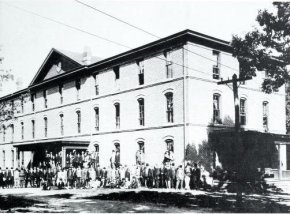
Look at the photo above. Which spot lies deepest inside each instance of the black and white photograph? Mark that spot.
(165, 106)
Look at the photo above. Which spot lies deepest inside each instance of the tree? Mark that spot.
(266, 47)
(8, 107)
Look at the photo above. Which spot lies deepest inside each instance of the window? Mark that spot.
(243, 116)
(117, 115)
(141, 112)
(33, 128)
(32, 98)
(169, 106)
(169, 70)
(265, 115)
(45, 98)
(79, 121)
(45, 126)
(117, 72)
(4, 133)
(60, 88)
(140, 153)
(141, 72)
(22, 105)
(117, 156)
(22, 130)
(12, 106)
(216, 67)
(96, 77)
(4, 159)
(61, 125)
(12, 132)
(169, 145)
(78, 88)
(141, 146)
(97, 117)
(12, 158)
(22, 158)
(216, 109)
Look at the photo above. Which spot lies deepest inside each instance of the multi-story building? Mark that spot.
(163, 95)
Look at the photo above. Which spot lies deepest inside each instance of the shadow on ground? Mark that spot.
(8, 202)
(215, 202)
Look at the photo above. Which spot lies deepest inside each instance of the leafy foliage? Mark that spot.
(202, 155)
(267, 47)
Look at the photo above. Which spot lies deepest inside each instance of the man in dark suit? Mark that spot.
(196, 176)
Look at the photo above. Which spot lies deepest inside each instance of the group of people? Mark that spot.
(72, 159)
(85, 173)
(134, 176)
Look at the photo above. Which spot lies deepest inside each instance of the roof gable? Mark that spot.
(56, 63)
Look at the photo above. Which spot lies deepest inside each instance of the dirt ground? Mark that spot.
(141, 200)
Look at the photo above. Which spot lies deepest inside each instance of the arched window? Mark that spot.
(118, 154)
(216, 108)
(61, 125)
(22, 130)
(243, 111)
(45, 126)
(79, 121)
(265, 115)
(97, 118)
(169, 145)
(12, 132)
(97, 153)
(4, 133)
(140, 153)
(169, 107)
(141, 112)
(117, 115)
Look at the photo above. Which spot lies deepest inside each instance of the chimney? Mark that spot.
(87, 55)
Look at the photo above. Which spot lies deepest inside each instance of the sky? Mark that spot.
(26, 39)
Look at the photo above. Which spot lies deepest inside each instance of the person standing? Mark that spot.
(10, 177)
(16, 178)
(172, 174)
(79, 176)
(167, 177)
(179, 177)
(113, 159)
(69, 177)
(196, 176)
(27, 177)
(21, 177)
(156, 175)
(1, 179)
(187, 172)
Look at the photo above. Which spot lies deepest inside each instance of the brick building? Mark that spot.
(160, 95)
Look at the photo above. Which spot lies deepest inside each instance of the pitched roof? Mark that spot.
(78, 57)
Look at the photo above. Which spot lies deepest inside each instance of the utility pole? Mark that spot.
(238, 164)
(235, 81)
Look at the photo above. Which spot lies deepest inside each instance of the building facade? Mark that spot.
(163, 95)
